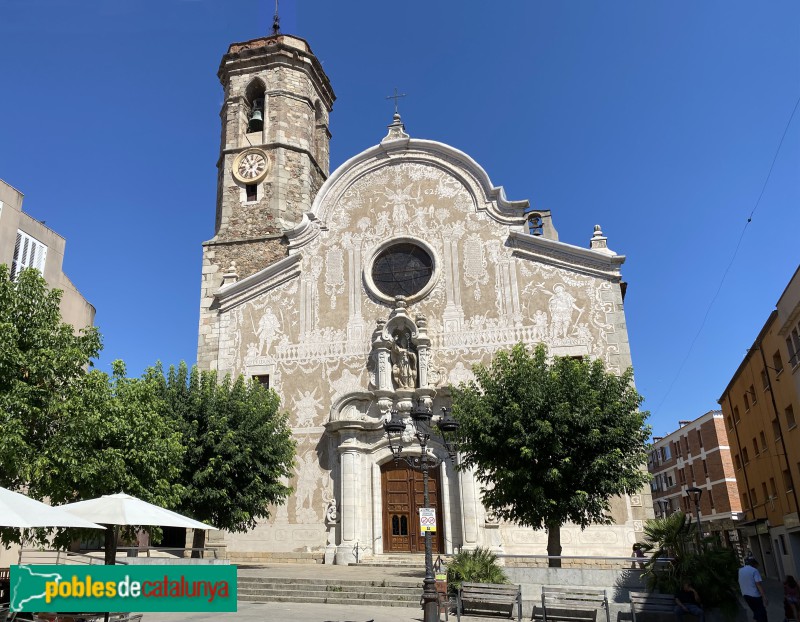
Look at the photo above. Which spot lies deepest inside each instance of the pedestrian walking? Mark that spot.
(752, 590)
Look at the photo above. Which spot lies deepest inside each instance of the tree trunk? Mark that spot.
(110, 545)
(198, 542)
(554, 545)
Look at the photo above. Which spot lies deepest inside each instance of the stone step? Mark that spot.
(364, 589)
(331, 599)
(304, 583)
(350, 594)
(394, 593)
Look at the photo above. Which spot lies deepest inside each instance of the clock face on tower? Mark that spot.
(250, 166)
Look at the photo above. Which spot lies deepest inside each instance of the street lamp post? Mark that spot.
(421, 418)
(696, 494)
(663, 505)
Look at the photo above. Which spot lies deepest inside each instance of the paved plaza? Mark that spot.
(302, 612)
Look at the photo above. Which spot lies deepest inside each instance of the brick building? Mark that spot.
(761, 405)
(697, 455)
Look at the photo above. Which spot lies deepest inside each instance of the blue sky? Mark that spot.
(658, 120)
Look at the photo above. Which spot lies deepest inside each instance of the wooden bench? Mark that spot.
(572, 603)
(487, 598)
(649, 603)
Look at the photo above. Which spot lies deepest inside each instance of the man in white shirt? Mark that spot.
(752, 591)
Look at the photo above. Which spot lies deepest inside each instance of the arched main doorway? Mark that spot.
(403, 495)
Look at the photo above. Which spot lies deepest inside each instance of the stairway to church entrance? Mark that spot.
(402, 497)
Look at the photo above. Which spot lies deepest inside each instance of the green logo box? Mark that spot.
(146, 588)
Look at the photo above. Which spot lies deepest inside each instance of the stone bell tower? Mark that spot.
(273, 159)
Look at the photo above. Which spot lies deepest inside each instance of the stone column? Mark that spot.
(349, 463)
(469, 509)
(444, 482)
(377, 511)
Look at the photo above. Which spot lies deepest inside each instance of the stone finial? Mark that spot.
(397, 131)
(230, 275)
(599, 242)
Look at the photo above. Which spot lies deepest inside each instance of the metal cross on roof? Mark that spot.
(395, 97)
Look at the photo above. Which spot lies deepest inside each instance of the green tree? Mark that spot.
(43, 364)
(239, 447)
(551, 441)
(68, 432)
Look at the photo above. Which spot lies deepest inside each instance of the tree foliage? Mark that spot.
(43, 365)
(551, 441)
(239, 447)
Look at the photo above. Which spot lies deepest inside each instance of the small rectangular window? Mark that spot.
(763, 438)
(711, 499)
(764, 379)
(792, 352)
(776, 429)
(737, 462)
(755, 447)
(796, 342)
(790, 420)
(729, 419)
(745, 455)
(705, 469)
(773, 489)
(787, 480)
(753, 394)
(777, 363)
(736, 416)
(252, 192)
(753, 497)
(764, 491)
(746, 402)
(745, 501)
(700, 439)
(263, 380)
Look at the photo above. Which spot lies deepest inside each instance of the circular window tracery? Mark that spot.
(402, 269)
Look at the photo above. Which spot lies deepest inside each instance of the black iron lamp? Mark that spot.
(696, 494)
(421, 418)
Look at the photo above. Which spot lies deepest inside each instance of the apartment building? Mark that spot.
(26, 242)
(761, 408)
(694, 464)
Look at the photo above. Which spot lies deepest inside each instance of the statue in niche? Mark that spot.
(404, 362)
(561, 305)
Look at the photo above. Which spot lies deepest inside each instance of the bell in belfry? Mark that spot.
(256, 123)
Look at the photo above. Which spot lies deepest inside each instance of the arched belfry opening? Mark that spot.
(254, 106)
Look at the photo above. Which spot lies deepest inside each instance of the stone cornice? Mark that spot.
(271, 51)
(272, 276)
(564, 255)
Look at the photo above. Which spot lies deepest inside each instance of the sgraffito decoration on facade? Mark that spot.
(406, 281)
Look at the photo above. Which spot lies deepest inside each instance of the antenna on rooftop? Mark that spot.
(276, 21)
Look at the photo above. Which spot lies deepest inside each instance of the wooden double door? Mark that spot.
(403, 495)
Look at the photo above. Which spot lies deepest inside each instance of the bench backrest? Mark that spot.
(574, 596)
(647, 602)
(494, 589)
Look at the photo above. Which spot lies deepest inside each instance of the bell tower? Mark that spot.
(274, 157)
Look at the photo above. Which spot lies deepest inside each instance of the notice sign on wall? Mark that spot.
(427, 520)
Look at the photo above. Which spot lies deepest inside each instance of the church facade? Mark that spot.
(375, 288)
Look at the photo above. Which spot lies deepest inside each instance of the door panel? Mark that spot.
(403, 495)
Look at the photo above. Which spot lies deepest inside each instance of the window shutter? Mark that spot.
(28, 253)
